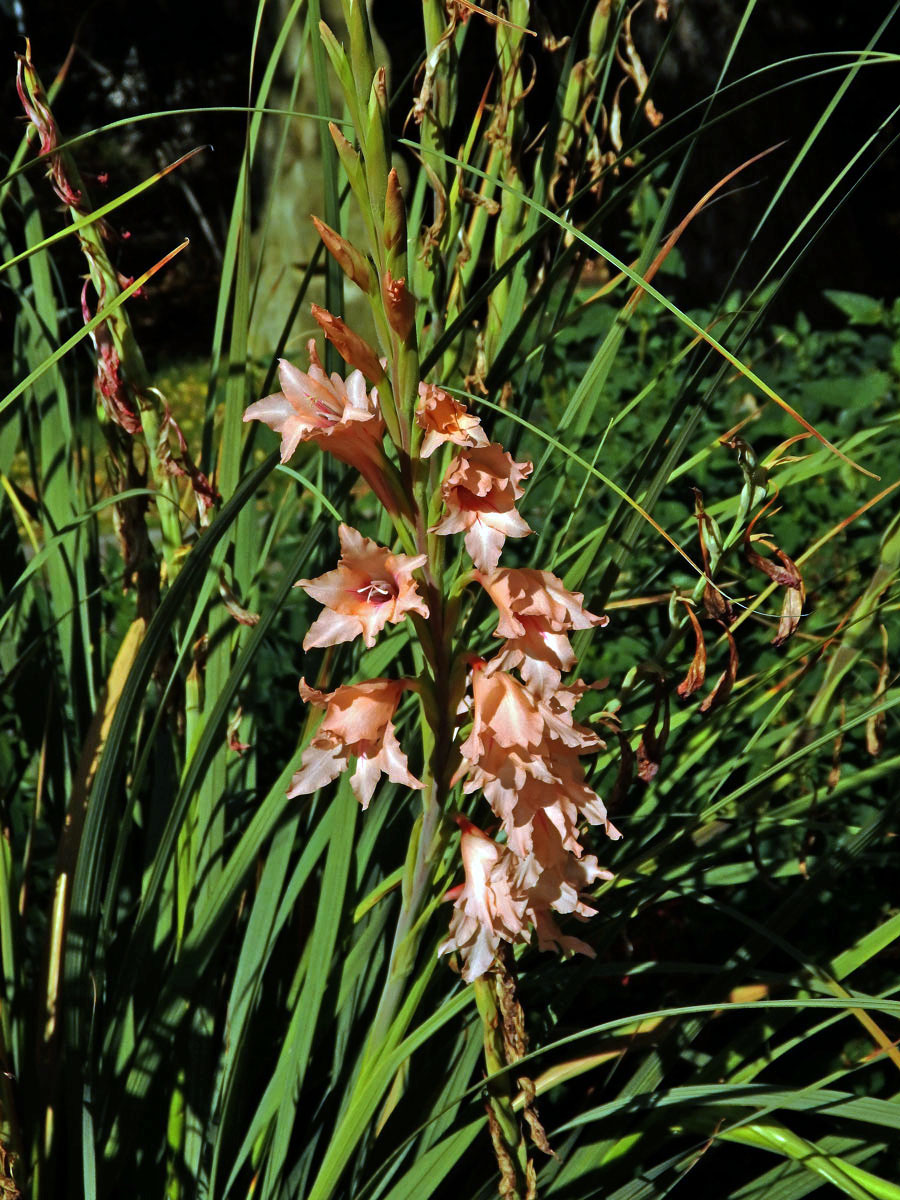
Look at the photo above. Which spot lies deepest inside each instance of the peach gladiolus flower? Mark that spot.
(488, 910)
(370, 588)
(444, 419)
(480, 491)
(358, 724)
(505, 712)
(503, 895)
(519, 787)
(535, 612)
(551, 879)
(338, 415)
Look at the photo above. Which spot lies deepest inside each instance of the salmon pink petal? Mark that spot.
(275, 411)
(333, 588)
(526, 592)
(393, 762)
(318, 766)
(331, 628)
(540, 657)
(488, 910)
(389, 759)
(507, 708)
(312, 695)
(357, 400)
(479, 493)
(535, 611)
(487, 533)
(302, 390)
(364, 779)
(357, 725)
(339, 415)
(551, 937)
(359, 713)
(484, 544)
(454, 522)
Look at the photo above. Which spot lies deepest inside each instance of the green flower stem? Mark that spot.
(424, 851)
(406, 373)
(379, 197)
(426, 844)
(509, 1141)
(388, 406)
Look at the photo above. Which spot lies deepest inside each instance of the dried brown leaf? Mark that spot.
(791, 611)
(725, 682)
(697, 670)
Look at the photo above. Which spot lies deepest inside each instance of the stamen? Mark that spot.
(377, 591)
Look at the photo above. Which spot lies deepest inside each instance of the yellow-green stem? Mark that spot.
(509, 1141)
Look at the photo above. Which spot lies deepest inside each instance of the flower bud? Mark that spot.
(399, 306)
(351, 261)
(394, 215)
(598, 29)
(379, 93)
(354, 350)
(348, 156)
(376, 141)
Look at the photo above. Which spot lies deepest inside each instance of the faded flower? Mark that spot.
(503, 896)
(487, 910)
(552, 879)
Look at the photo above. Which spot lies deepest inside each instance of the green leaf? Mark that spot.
(862, 310)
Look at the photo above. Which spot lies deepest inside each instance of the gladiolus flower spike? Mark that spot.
(521, 746)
